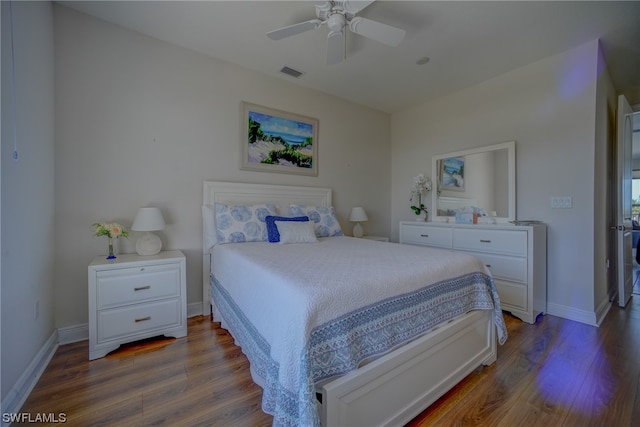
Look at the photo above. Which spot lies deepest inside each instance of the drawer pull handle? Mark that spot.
(488, 265)
(424, 235)
(142, 288)
(485, 241)
(142, 319)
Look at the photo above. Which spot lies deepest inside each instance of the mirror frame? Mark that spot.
(510, 146)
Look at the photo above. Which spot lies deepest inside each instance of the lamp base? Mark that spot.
(357, 230)
(148, 244)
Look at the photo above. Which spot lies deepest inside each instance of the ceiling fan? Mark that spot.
(338, 15)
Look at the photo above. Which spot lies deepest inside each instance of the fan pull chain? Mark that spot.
(344, 47)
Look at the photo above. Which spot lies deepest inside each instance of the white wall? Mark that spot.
(549, 109)
(28, 238)
(142, 122)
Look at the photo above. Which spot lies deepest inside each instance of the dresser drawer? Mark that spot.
(428, 236)
(512, 295)
(130, 320)
(505, 267)
(494, 241)
(134, 285)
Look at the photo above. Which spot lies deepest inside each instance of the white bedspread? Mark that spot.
(306, 312)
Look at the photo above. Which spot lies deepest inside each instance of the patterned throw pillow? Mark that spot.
(242, 223)
(325, 219)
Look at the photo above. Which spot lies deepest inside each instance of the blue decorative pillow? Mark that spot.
(272, 230)
(242, 223)
(325, 219)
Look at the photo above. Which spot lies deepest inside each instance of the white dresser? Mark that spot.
(515, 255)
(135, 297)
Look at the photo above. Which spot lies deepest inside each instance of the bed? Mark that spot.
(359, 343)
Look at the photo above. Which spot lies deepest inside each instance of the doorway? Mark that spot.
(635, 199)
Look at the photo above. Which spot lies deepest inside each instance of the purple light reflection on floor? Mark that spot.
(561, 379)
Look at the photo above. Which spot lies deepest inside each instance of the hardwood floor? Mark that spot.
(200, 380)
(554, 373)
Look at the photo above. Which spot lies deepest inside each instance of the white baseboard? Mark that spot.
(194, 309)
(571, 313)
(72, 334)
(603, 310)
(18, 394)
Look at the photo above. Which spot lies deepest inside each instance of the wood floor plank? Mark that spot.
(607, 392)
(557, 379)
(554, 373)
(123, 413)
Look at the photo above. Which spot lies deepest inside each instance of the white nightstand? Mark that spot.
(135, 297)
(377, 238)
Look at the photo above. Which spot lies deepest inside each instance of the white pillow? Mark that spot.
(296, 232)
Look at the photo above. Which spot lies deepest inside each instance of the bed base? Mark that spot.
(395, 388)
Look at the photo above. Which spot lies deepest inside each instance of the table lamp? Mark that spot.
(148, 219)
(358, 215)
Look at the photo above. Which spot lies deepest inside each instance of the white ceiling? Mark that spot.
(467, 42)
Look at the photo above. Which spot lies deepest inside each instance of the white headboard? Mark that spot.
(246, 194)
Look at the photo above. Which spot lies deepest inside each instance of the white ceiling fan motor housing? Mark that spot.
(336, 22)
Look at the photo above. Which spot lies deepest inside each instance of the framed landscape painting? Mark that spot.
(452, 174)
(278, 141)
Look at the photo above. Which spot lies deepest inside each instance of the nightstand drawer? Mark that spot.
(128, 321)
(495, 241)
(424, 235)
(134, 285)
(504, 267)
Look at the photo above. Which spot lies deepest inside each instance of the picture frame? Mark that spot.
(452, 173)
(278, 141)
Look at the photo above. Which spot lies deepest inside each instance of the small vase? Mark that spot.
(422, 217)
(111, 255)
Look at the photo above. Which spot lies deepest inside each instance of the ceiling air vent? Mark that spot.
(291, 72)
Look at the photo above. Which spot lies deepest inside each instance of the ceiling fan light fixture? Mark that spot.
(336, 22)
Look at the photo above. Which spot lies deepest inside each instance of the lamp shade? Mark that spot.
(358, 214)
(148, 219)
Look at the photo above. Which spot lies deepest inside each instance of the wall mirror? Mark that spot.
(483, 177)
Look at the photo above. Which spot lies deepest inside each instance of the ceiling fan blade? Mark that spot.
(355, 6)
(294, 29)
(377, 31)
(322, 4)
(335, 47)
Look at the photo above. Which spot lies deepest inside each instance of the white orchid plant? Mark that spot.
(421, 185)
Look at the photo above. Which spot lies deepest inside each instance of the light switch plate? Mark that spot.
(562, 202)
